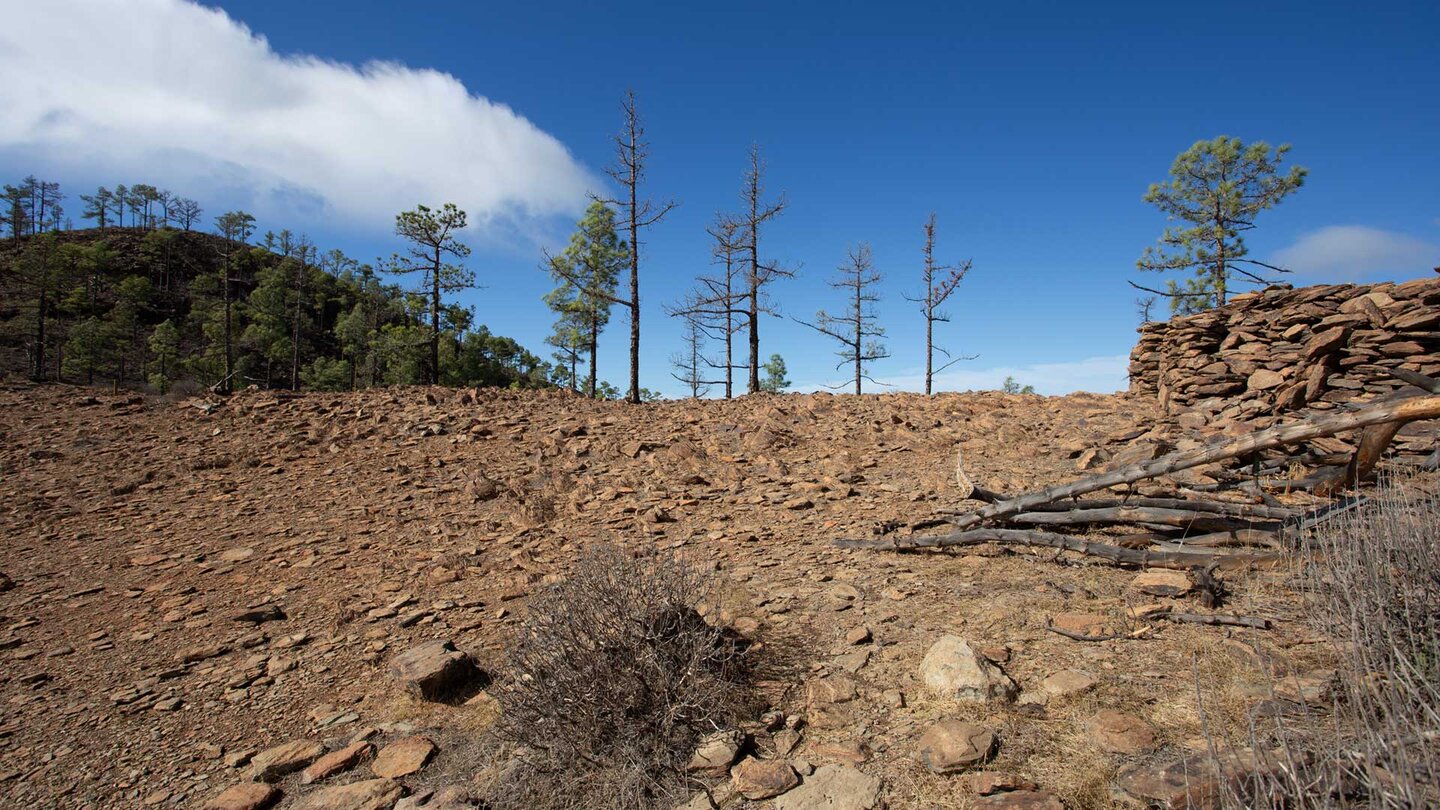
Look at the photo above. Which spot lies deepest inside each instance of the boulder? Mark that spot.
(954, 745)
(245, 796)
(371, 794)
(953, 669)
(433, 670)
(757, 779)
(833, 787)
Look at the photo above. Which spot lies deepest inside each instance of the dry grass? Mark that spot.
(1374, 577)
(613, 678)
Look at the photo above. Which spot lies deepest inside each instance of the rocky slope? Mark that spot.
(193, 584)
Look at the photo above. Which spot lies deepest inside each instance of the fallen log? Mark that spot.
(1226, 508)
(1019, 537)
(1219, 619)
(1181, 518)
(1399, 412)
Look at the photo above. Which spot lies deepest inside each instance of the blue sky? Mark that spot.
(1030, 129)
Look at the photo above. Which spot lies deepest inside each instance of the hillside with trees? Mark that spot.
(149, 300)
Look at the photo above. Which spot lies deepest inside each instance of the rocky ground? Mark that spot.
(205, 598)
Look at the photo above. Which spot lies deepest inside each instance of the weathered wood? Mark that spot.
(1019, 537)
(1400, 412)
(1222, 619)
(1226, 508)
(1180, 518)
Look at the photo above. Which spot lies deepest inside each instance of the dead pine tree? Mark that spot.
(690, 363)
(856, 330)
(940, 281)
(758, 274)
(631, 151)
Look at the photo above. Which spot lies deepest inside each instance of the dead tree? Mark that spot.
(718, 305)
(631, 150)
(856, 329)
(689, 363)
(940, 281)
(758, 275)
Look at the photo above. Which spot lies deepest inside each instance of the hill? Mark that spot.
(198, 581)
(156, 309)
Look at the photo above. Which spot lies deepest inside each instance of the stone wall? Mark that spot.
(1283, 349)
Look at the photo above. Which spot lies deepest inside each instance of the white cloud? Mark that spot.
(1104, 375)
(1356, 252)
(179, 95)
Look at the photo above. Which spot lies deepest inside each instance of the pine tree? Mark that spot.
(588, 271)
(1218, 187)
(433, 237)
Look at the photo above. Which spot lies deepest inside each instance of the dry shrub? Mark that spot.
(613, 678)
(1374, 574)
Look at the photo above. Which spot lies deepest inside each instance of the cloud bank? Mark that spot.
(1343, 253)
(180, 95)
(1104, 375)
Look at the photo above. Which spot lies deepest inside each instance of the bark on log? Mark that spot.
(1179, 518)
(1400, 412)
(1181, 560)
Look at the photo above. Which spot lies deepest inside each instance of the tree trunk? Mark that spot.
(40, 336)
(435, 320)
(594, 350)
(634, 273)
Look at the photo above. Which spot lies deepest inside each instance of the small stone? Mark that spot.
(403, 757)
(757, 779)
(1116, 732)
(953, 669)
(245, 796)
(985, 783)
(1090, 625)
(371, 794)
(1263, 380)
(833, 787)
(336, 762)
(799, 503)
(1178, 783)
(1067, 683)
(858, 635)
(953, 745)
(273, 763)
(1163, 583)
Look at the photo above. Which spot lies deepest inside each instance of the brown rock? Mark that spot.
(371, 794)
(1067, 683)
(6, 583)
(1263, 380)
(403, 757)
(273, 763)
(1163, 583)
(336, 761)
(1326, 342)
(953, 745)
(245, 796)
(1092, 625)
(833, 787)
(715, 753)
(1116, 732)
(757, 779)
(1181, 783)
(433, 670)
(858, 635)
